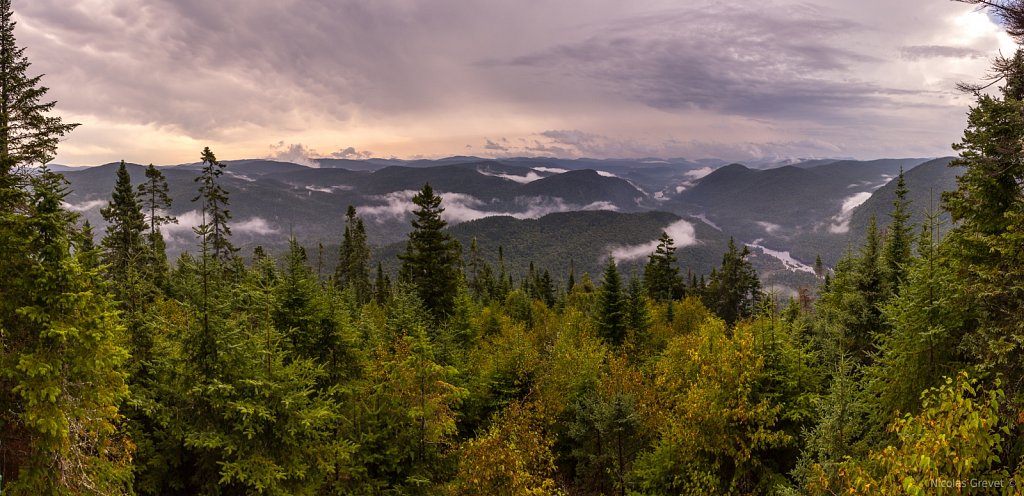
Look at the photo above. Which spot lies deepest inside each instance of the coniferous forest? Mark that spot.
(222, 372)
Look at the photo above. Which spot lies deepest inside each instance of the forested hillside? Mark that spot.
(221, 372)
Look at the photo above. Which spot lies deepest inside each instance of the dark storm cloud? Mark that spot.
(919, 52)
(771, 63)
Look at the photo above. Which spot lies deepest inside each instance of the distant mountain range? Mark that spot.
(551, 211)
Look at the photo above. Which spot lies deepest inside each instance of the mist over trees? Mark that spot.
(121, 372)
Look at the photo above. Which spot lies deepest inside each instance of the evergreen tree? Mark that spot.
(354, 260)
(638, 317)
(215, 230)
(28, 134)
(124, 251)
(661, 275)
(988, 210)
(431, 258)
(734, 291)
(896, 253)
(61, 364)
(382, 286)
(611, 323)
(156, 204)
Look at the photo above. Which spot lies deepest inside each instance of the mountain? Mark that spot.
(788, 214)
(925, 185)
(585, 240)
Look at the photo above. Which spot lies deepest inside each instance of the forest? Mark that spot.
(122, 372)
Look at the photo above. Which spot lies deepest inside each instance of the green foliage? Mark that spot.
(611, 316)
(353, 269)
(432, 257)
(953, 444)
(155, 198)
(714, 427)
(898, 239)
(215, 231)
(734, 290)
(61, 362)
(661, 274)
(988, 209)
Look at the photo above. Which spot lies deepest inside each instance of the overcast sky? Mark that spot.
(156, 80)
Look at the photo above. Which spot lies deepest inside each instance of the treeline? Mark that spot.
(121, 373)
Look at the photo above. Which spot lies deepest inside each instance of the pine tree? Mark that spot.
(897, 250)
(431, 258)
(156, 204)
(215, 230)
(661, 275)
(611, 322)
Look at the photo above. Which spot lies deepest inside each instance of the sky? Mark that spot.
(154, 81)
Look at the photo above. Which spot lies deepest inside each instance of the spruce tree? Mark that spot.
(988, 210)
(28, 134)
(611, 323)
(734, 290)
(354, 259)
(156, 205)
(124, 250)
(897, 250)
(661, 275)
(431, 258)
(61, 363)
(215, 230)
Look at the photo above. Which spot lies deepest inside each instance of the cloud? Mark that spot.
(769, 227)
(329, 189)
(351, 153)
(699, 173)
(528, 178)
(86, 205)
(491, 145)
(681, 232)
(461, 207)
(183, 229)
(919, 52)
(601, 78)
(841, 221)
(553, 170)
(296, 153)
(693, 176)
(253, 225)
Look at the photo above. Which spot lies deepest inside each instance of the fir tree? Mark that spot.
(431, 258)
